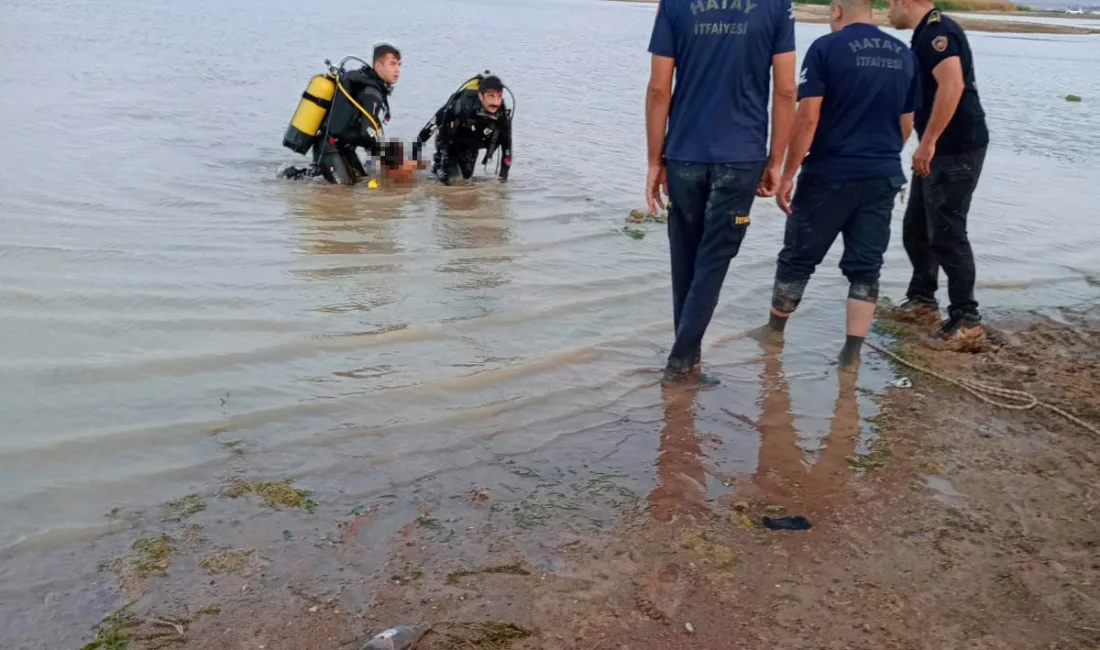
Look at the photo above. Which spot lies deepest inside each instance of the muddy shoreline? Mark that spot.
(949, 524)
(820, 14)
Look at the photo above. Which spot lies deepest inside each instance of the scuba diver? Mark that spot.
(343, 110)
(474, 118)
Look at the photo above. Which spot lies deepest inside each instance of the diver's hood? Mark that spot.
(373, 78)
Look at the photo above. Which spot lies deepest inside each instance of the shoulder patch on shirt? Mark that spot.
(939, 43)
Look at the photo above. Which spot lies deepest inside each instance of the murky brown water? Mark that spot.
(163, 293)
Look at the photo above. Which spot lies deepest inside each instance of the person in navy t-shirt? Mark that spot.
(857, 92)
(714, 157)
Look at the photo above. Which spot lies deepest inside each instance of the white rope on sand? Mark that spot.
(1018, 400)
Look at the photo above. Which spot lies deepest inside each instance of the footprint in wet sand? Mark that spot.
(662, 593)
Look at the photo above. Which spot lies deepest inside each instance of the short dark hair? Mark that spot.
(381, 50)
(866, 5)
(491, 83)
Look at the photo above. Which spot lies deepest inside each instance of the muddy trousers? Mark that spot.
(707, 222)
(860, 211)
(934, 230)
(338, 163)
(454, 161)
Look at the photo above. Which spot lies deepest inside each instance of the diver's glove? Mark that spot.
(425, 133)
(439, 168)
(505, 166)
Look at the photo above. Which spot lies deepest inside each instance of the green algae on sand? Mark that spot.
(278, 494)
(153, 554)
(113, 633)
(226, 561)
(188, 505)
(482, 635)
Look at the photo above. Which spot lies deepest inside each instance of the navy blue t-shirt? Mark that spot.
(723, 54)
(868, 80)
(936, 39)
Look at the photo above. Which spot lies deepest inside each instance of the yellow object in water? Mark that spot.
(310, 114)
(372, 184)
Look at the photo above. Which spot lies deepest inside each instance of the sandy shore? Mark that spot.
(961, 526)
(820, 14)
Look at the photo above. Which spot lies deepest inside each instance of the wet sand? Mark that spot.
(820, 14)
(956, 525)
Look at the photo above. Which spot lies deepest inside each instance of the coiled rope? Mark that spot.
(1017, 400)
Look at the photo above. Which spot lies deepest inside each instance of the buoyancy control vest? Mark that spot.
(360, 108)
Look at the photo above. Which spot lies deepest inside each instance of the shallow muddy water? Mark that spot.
(168, 302)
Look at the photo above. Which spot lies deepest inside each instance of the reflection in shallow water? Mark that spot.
(338, 221)
(681, 477)
(475, 218)
(783, 472)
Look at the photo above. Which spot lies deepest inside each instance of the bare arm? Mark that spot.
(784, 98)
(805, 126)
(906, 127)
(657, 101)
(949, 89)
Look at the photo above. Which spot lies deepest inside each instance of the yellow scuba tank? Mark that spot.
(315, 104)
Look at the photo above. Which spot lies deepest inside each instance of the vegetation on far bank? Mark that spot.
(965, 13)
(947, 5)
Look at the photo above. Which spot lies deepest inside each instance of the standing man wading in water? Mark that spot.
(857, 93)
(708, 142)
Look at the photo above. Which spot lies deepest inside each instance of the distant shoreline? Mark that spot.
(812, 13)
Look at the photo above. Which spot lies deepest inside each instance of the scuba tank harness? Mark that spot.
(473, 83)
(315, 104)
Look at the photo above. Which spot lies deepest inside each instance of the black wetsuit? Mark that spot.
(346, 127)
(465, 127)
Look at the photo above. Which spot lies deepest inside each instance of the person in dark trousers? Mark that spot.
(474, 118)
(708, 142)
(357, 119)
(856, 95)
(946, 165)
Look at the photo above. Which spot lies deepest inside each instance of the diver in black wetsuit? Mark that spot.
(360, 110)
(474, 118)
